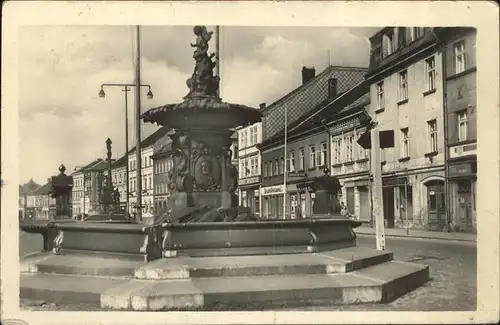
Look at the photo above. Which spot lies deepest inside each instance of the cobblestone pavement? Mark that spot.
(452, 268)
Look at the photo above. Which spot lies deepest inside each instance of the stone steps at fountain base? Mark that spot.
(373, 284)
(336, 261)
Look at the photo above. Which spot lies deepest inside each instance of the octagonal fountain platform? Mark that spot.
(207, 253)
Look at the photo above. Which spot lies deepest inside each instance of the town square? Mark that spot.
(170, 170)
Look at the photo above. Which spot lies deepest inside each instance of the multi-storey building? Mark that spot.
(26, 200)
(406, 96)
(119, 180)
(80, 201)
(249, 165)
(147, 150)
(162, 164)
(40, 204)
(350, 163)
(459, 52)
(307, 151)
(94, 178)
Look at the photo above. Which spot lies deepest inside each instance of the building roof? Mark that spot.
(100, 165)
(82, 169)
(29, 187)
(43, 190)
(308, 96)
(120, 162)
(155, 136)
(357, 96)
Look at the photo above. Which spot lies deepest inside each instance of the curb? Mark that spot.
(419, 237)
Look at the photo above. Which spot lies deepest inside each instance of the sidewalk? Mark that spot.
(415, 233)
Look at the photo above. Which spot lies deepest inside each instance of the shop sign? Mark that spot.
(394, 181)
(460, 170)
(297, 174)
(272, 190)
(463, 150)
(249, 180)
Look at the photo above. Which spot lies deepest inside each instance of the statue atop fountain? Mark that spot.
(203, 181)
(203, 82)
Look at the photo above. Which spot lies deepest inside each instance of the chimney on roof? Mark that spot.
(262, 105)
(308, 74)
(332, 88)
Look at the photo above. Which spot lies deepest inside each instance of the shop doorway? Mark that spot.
(436, 205)
(350, 200)
(364, 203)
(388, 196)
(302, 213)
(464, 206)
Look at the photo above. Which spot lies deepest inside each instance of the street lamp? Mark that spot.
(125, 89)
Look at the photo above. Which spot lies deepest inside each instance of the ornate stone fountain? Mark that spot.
(206, 252)
(203, 176)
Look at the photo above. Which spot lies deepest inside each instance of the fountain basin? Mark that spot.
(203, 113)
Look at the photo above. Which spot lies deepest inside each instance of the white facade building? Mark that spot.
(249, 166)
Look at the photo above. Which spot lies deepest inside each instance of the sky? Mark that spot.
(61, 69)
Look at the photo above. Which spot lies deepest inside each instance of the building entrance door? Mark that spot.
(388, 195)
(302, 205)
(350, 200)
(364, 203)
(464, 206)
(436, 205)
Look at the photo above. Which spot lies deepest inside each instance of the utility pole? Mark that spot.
(378, 204)
(285, 172)
(138, 123)
(127, 192)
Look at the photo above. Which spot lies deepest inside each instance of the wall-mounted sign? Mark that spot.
(297, 174)
(463, 150)
(249, 180)
(272, 190)
(460, 169)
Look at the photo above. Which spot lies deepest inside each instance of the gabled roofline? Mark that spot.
(310, 82)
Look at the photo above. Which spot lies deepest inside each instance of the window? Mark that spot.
(265, 170)
(349, 141)
(323, 154)
(459, 52)
(430, 73)
(276, 167)
(337, 147)
(418, 32)
(386, 45)
(312, 157)
(462, 125)
(405, 143)
(291, 161)
(247, 170)
(433, 135)
(255, 134)
(380, 95)
(301, 159)
(403, 85)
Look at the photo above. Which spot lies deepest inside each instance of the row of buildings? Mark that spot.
(421, 84)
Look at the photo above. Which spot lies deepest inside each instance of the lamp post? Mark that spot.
(125, 89)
